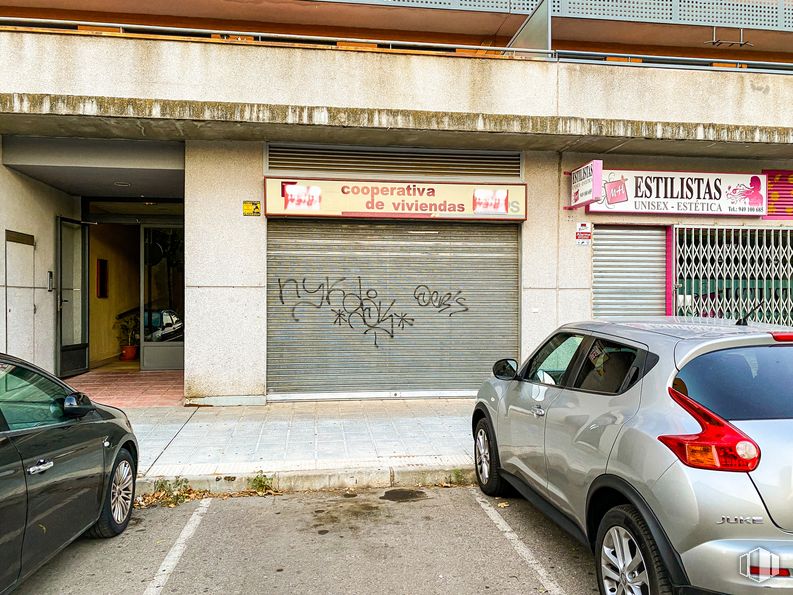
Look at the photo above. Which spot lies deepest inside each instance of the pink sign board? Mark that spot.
(682, 193)
(587, 184)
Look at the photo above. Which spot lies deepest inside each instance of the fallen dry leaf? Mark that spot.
(504, 504)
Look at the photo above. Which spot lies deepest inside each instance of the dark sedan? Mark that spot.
(67, 467)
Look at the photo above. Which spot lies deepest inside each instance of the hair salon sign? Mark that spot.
(677, 193)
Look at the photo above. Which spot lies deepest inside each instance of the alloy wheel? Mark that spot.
(622, 565)
(482, 453)
(121, 492)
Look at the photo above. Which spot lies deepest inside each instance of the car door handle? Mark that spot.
(40, 467)
(538, 411)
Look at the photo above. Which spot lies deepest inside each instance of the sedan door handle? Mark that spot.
(40, 467)
(538, 411)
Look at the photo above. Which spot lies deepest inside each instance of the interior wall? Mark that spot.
(30, 207)
(120, 246)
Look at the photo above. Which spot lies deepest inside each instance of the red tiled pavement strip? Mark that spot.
(130, 388)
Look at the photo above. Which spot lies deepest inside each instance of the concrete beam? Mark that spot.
(178, 120)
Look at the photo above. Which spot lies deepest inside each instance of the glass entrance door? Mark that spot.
(162, 298)
(72, 308)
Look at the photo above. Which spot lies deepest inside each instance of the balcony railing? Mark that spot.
(748, 14)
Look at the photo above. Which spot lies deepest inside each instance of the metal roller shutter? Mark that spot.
(629, 271)
(351, 307)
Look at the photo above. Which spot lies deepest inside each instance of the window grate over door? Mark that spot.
(628, 271)
(389, 308)
(726, 272)
(393, 161)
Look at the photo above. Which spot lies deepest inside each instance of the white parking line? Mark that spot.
(548, 582)
(172, 559)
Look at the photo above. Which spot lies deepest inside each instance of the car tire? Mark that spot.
(486, 463)
(119, 498)
(626, 553)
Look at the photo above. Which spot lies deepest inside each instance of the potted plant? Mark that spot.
(127, 335)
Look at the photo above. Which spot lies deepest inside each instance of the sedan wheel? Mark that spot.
(121, 492)
(482, 455)
(119, 496)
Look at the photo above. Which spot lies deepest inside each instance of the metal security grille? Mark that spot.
(388, 309)
(726, 272)
(384, 160)
(628, 271)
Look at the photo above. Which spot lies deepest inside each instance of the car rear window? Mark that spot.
(743, 383)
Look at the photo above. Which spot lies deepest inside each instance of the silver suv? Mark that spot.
(664, 444)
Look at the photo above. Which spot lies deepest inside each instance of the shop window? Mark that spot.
(101, 278)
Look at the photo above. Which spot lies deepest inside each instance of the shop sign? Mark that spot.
(682, 193)
(583, 234)
(587, 184)
(304, 197)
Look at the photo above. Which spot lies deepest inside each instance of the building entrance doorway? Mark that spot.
(118, 275)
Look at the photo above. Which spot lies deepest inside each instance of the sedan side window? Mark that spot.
(606, 367)
(28, 399)
(550, 364)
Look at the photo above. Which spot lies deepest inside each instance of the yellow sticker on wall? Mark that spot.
(252, 208)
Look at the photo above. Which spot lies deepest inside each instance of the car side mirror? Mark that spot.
(168, 325)
(77, 405)
(505, 369)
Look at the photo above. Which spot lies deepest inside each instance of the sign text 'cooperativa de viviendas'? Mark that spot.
(384, 199)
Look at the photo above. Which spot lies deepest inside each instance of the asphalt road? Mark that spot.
(434, 541)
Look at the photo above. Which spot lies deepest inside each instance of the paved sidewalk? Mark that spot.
(308, 445)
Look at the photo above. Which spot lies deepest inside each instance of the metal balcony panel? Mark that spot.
(747, 14)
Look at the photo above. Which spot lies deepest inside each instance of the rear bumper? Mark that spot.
(717, 566)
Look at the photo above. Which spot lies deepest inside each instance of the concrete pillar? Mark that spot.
(225, 273)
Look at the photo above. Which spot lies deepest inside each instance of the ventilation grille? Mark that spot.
(407, 162)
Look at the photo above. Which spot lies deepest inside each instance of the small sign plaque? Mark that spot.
(252, 208)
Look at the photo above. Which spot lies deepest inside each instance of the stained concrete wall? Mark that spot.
(30, 207)
(216, 74)
(225, 271)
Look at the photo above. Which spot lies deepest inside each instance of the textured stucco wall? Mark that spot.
(225, 271)
(30, 207)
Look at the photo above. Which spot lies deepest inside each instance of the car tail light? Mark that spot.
(720, 446)
(761, 571)
(783, 337)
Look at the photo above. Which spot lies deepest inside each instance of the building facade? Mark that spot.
(316, 219)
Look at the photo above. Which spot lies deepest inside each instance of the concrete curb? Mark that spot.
(338, 479)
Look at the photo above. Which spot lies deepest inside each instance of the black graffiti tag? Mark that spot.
(451, 302)
(356, 307)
